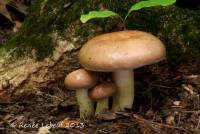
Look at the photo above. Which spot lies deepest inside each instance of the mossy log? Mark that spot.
(45, 49)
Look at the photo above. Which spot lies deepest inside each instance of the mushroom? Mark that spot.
(120, 53)
(81, 80)
(101, 94)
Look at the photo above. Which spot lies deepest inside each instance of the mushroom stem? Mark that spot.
(101, 105)
(124, 79)
(85, 103)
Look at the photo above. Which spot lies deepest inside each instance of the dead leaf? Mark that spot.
(44, 130)
(3, 9)
(17, 5)
(118, 126)
(150, 113)
(107, 115)
(176, 103)
(170, 120)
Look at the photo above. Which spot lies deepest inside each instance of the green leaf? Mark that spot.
(97, 14)
(150, 3)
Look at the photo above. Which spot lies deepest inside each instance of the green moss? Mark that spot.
(42, 21)
(177, 28)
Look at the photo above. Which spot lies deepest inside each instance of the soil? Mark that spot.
(166, 101)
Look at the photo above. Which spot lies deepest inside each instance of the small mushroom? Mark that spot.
(120, 53)
(81, 80)
(101, 94)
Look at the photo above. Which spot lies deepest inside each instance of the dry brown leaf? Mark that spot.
(3, 9)
(170, 120)
(118, 126)
(17, 5)
(44, 130)
(107, 115)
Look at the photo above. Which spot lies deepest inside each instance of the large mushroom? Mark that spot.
(81, 80)
(120, 53)
(101, 94)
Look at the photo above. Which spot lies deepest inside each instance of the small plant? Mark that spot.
(107, 13)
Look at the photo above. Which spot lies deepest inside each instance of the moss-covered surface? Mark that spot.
(39, 25)
(177, 27)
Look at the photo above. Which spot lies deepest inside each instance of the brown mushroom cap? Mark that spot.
(104, 90)
(121, 50)
(80, 79)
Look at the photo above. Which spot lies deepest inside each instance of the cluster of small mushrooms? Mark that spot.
(119, 53)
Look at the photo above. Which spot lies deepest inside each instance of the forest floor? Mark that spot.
(167, 101)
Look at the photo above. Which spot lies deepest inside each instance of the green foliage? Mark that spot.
(97, 14)
(149, 3)
(135, 7)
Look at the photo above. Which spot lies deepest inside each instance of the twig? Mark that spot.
(190, 111)
(162, 86)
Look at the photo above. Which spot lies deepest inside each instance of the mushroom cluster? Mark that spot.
(119, 53)
(81, 81)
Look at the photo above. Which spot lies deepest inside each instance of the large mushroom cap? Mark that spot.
(80, 79)
(104, 90)
(121, 50)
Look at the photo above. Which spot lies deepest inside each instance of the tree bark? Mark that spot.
(45, 49)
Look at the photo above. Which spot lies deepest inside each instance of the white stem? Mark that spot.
(101, 105)
(124, 79)
(86, 106)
